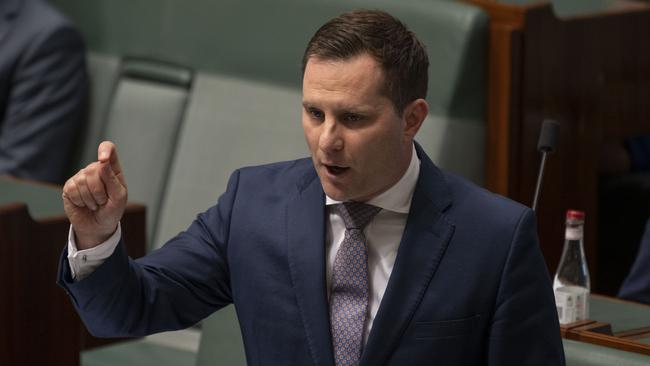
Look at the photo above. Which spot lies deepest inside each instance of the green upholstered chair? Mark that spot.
(230, 123)
(144, 117)
(264, 41)
(208, 36)
(103, 71)
(139, 104)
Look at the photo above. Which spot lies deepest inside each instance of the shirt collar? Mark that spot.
(398, 197)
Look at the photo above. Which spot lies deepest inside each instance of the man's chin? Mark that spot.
(336, 195)
(334, 192)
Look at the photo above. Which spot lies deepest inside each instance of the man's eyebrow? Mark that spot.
(341, 108)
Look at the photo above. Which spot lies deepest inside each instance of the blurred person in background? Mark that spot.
(636, 286)
(623, 217)
(43, 90)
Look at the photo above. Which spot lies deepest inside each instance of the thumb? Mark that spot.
(107, 152)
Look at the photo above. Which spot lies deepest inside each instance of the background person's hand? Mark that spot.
(94, 199)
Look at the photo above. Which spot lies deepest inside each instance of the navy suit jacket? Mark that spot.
(43, 89)
(469, 285)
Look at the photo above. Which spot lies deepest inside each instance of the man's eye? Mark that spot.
(351, 117)
(316, 114)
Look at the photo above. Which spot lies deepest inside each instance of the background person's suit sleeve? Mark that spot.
(46, 110)
(525, 328)
(636, 286)
(171, 288)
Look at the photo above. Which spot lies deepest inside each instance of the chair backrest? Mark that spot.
(250, 43)
(143, 120)
(139, 104)
(265, 40)
(103, 73)
(230, 123)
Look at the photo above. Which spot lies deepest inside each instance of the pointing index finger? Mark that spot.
(107, 152)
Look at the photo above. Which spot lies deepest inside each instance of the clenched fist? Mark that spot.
(94, 199)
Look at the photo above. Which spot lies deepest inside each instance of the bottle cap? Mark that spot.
(575, 215)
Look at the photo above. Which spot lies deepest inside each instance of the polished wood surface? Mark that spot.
(38, 324)
(38, 321)
(591, 73)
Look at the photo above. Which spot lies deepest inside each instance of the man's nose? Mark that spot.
(330, 138)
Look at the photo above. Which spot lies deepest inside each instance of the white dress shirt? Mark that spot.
(383, 235)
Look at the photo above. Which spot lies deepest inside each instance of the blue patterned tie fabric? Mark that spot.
(349, 293)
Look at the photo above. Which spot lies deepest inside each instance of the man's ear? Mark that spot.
(413, 116)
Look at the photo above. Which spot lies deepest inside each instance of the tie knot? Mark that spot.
(356, 215)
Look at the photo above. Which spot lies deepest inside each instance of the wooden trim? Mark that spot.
(511, 14)
(623, 344)
(566, 328)
(638, 333)
(499, 105)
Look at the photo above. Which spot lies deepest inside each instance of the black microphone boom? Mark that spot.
(546, 144)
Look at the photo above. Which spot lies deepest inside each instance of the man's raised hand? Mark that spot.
(94, 199)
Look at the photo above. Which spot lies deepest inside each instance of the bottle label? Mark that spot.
(572, 303)
(574, 233)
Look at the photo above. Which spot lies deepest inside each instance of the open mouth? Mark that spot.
(336, 170)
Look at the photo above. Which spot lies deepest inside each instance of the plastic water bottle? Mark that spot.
(571, 284)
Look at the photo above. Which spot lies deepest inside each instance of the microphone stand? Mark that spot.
(546, 144)
(540, 176)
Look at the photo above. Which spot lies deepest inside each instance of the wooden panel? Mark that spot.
(591, 74)
(39, 323)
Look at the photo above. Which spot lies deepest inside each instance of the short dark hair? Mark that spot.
(403, 58)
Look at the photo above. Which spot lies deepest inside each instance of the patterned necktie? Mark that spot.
(349, 293)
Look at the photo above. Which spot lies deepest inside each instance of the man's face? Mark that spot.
(359, 145)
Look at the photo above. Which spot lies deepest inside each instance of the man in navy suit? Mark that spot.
(43, 89)
(365, 254)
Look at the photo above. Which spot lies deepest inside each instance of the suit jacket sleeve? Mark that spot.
(172, 288)
(525, 328)
(46, 107)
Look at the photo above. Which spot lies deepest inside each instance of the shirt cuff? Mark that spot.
(84, 262)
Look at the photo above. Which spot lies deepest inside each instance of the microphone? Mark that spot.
(546, 144)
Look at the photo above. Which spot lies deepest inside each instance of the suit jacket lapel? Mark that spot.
(306, 240)
(423, 244)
